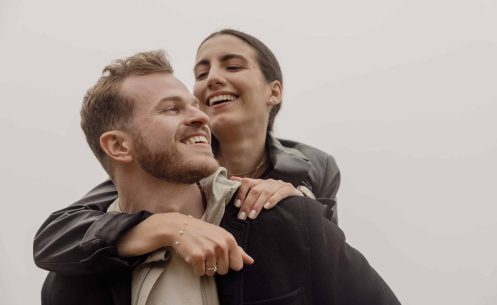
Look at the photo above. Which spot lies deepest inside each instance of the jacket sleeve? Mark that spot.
(327, 187)
(82, 238)
(344, 275)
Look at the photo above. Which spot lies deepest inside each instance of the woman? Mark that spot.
(239, 85)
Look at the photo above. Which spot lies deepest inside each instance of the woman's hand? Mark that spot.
(206, 247)
(254, 194)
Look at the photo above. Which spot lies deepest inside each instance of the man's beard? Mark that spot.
(171, 165)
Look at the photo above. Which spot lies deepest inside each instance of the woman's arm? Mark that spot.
(326, 188)
(82, 238)
(322, 177)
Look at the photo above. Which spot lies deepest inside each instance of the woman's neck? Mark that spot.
(243, 155)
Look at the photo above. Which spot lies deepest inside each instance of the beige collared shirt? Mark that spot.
(164, 277)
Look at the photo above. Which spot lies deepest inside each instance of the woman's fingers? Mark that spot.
(285, 191)
(263, 193)
(245, 185)
(247, 259)
(211, 265)
(197, 261)
(238, 257)
(258, 196)
(223, 262)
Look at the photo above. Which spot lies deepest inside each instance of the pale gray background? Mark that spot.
(402, 93)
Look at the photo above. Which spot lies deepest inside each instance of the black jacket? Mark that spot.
(69, 238)
(301, 257)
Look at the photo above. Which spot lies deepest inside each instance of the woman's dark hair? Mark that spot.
(265, 58)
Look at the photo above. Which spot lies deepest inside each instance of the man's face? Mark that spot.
(171, 140)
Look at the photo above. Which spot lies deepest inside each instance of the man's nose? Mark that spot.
(197, 118)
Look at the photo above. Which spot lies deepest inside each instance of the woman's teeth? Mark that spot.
(221, 98)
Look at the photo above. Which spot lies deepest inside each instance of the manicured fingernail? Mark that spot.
(242, 215)
(267, 205)
(252, 214)
(238, 203)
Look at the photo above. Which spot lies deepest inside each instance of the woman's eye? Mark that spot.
(233, 68)
(200, 75)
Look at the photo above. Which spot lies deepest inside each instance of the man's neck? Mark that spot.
(144, 192)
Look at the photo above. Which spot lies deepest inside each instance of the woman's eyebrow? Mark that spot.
(224, 58)
(203, 62)
(229, 56)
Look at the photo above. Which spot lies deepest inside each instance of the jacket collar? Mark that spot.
(289, 164)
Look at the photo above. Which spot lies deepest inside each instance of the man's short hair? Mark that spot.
(106, 108)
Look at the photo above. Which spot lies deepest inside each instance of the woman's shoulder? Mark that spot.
(322, 175)
(312, 154)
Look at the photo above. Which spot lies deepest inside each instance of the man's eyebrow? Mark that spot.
(224, 58)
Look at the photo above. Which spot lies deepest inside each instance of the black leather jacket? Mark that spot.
(82, 238)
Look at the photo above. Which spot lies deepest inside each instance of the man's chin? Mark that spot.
(198, 168)
(205, 165)
(197, 173)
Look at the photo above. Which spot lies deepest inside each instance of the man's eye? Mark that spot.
(170, 109)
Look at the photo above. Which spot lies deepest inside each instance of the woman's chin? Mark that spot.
(222, 124)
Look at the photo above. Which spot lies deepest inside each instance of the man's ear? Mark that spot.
(117, 145)
(276, 93)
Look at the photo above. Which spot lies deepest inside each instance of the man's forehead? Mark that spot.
(153, 81)
(154, 86)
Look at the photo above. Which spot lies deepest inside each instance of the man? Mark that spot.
(148, 133)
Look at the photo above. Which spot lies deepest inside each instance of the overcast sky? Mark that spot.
(402, 93)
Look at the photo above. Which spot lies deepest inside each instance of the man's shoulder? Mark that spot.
(297, 209)
(291, 212)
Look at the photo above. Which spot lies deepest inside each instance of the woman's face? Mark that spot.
(230, 85)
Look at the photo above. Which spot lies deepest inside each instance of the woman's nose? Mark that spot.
(215, 79)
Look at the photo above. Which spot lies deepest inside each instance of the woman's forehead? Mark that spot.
(223, 44)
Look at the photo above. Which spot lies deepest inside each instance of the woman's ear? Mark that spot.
(276, 93)
(117, 145)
